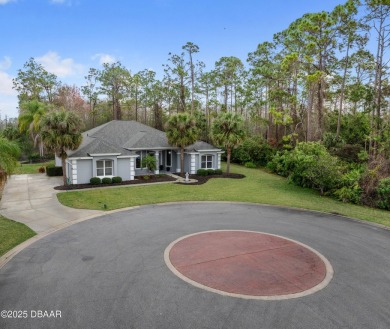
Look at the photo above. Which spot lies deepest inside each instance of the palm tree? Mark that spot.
(10, 152)
(29, 120)
(181, 131)
(227, 131)
(61, 131)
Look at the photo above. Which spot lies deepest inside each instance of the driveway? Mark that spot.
(109, 272)
(31, 199)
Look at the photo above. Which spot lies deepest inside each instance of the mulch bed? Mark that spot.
(138, 180)
(203, 179)
(152, 179)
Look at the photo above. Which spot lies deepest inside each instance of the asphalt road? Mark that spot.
(109, 272)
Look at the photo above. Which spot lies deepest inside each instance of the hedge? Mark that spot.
(53, 171)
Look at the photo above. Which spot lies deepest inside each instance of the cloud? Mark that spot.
(104, 58)
(6, 85)
(4, 2)
(5, 63)
(53, 63)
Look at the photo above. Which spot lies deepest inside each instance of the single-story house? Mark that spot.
(118, 147)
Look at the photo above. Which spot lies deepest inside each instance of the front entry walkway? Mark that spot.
(31, 199)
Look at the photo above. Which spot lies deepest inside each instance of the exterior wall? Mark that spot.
(69, 172)
(84, 171)
(58, 162)
(124, 169)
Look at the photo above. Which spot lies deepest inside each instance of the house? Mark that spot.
(118, 147)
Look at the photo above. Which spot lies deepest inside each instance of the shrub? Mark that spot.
(41, 170)
(350, 153)
(146, 177)
(117, 179)
(106, 180)
(53, 171)
(308, 165)
(383, 192)
(250, 165)
(202, 172)
(95, 181)
(218, 172)
(149, 162)
(210, 171)
(254, 150)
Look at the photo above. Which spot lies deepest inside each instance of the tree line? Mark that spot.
(323, 79)
(298, 87)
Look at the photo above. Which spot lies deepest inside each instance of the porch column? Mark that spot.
(132, 168)
(178, 167)
(192, 166)
(74, 172)
(219, 161)
(157, 156)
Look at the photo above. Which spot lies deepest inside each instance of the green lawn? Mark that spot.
(27, 168)
(258, 187)
(12, 233)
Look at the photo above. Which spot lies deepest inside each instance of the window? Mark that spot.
(169, 158)
(104, 167)
(138, 160)
(142, 155)
(206, 162)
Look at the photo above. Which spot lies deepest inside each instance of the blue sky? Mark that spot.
(69, 36)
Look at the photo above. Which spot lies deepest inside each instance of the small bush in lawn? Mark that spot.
(117, 179)
(146, 177)
(218, 172)
(41, 170)
(210, 171)
(250, 165)
(202, 172)
(106, 180)
(95, 181)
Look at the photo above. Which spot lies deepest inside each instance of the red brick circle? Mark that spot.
(247, 263)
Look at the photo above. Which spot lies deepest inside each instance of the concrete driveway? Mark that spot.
(109, 272)
(31, 199)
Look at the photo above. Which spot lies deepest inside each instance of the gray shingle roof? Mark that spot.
(201, 146)
(126, 136)
(120, 137)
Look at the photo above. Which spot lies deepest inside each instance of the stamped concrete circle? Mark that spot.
(248, 264)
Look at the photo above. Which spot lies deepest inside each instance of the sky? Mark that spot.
(70, 36)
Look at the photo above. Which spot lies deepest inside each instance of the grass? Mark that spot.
(30, 168)
(12, 233)
(259, 186)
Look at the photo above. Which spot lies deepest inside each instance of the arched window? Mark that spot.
(104, 168)
(206, 161)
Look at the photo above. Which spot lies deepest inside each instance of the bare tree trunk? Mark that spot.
(228, 156)
(63, 158)
(342, 91)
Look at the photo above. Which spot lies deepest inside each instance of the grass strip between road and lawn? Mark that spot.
(258, 186)
(12, 233)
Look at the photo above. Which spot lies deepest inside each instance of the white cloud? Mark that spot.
(8, 97)
(6, 85)
(104, 58)
(5, 63)
(53, 63)
(3, 2)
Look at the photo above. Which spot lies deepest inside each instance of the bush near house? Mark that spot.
(106, 180)
(116, 179)
(202, 172)
(53, 171)
(95, 181)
